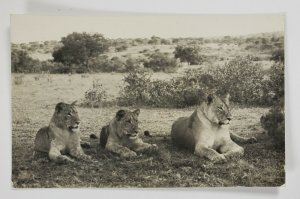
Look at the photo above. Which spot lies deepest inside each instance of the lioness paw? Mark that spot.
(218, 158)
(64, 159)
(129, 154)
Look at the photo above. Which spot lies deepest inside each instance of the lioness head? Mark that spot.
(127, 123)
(217, 109)
(66, 116)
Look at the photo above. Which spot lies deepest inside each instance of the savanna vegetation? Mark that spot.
(166, 78)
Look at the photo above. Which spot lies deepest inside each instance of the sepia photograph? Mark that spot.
(148, 101)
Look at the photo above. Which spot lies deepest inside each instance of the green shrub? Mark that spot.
(274, 123)
(178, 92)
(158, 61)
(121, 48)
(277, 81)
(18, 79)
(135, 91)
(189, 54)
(242, 78)
(21, 62)
(95, 96)
(278, 56)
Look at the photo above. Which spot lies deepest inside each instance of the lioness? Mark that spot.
(121, 135)
(206, 131)
(62, 136)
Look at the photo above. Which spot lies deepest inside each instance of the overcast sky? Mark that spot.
(26, 28)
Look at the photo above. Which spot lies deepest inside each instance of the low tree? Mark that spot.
(158, 61)
(21, 62)
(189, 54)
(278, 55)
(154, 40)
(79, 48)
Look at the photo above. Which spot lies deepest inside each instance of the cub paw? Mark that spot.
(154, 147)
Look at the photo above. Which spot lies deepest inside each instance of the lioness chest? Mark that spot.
(212, 137)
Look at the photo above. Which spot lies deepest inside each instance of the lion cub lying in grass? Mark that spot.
(206, 131)
(121, 135)
(62, 135)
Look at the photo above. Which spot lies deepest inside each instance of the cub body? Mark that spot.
(61, 136)
(121, 135)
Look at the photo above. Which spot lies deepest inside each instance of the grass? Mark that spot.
(33, 104)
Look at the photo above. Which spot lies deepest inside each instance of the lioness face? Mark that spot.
(127, 122)
(218, 109)
(67, 116)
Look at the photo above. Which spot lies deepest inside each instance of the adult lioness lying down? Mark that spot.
(206, 131)
(121, 135)
(62, 136)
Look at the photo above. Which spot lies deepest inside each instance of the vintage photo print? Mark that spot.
(148, 101)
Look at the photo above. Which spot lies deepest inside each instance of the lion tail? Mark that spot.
(104, 136)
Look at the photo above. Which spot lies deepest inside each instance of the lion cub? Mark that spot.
(62, 135)
(206, 131)
(121, 135)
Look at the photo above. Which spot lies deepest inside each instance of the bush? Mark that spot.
(278, 56)
(18, 79)
(274, 123)
(121, 48)
(136, 89)
(242, 78)
(189, 54)
(177, 92)
(95, 96)
(276, 84)
(158, 61)
(21, 62)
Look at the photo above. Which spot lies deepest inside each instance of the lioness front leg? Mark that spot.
(209, 153)
(242, 140)
(56, 156)
(140, 146)
(231, 149)
(78, 153)
(121, 150)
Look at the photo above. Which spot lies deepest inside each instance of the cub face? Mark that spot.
(67, 117)
(127, 123)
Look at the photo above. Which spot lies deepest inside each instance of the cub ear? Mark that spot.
(59, 107)
(120, 114)
(136, 112)
(226, 98)
(74, 103)
(210, 98)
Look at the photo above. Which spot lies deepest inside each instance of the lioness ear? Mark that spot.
(120, 114)
(74, 103)
(59, 107)
(226, 98)
(136, 112)
(210, 98)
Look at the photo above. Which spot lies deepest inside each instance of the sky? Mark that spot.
(27, 28)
